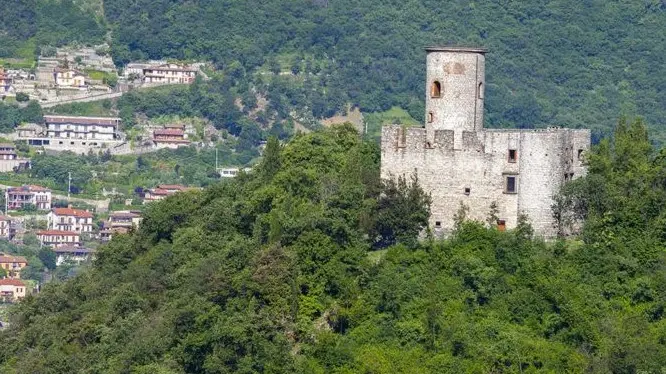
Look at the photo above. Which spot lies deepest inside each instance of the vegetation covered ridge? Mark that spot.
(310, 264)
(562, 62)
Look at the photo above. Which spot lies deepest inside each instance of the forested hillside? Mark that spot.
(26, 25)
(559, 62)
(280, 271)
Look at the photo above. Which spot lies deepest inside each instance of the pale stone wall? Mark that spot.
(459, 162)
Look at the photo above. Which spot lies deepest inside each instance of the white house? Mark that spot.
(68, 219)
(58, 238)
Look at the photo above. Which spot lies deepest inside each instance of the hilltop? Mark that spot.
(309, 265)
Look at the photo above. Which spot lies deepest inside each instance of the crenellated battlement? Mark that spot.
(415, 139)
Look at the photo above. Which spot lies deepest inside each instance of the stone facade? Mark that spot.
(459, 162)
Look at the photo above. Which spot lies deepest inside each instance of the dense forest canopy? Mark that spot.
(279, 271)
(559, 62)
(562, 62)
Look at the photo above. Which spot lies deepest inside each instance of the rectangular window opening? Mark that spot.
(510, 184)
(467, 190)
(438, 224)
(513, 155)
(580, 154)
(501, 225)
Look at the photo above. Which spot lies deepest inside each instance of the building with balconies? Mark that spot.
(68, 219)
(19, 197)
(59, 238)
(169, 74)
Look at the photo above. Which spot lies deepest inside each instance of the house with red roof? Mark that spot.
(18, 197)
(12, 265)
(170, 138)
(58, 238)
(162, 191)
(12, 290)
(69, 219)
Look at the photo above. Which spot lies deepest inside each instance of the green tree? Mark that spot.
(402, 212)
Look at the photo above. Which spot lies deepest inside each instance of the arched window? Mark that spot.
(480, 92)
(436, 89)
(431, 117)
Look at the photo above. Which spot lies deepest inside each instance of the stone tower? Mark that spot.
(455, 90)
(460, 163)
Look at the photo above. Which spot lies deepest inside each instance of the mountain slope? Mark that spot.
(560, 62)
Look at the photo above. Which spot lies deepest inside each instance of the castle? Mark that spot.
(459, 162)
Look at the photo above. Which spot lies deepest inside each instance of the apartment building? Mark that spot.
(59, 238)
(68, 219)
(75, 127)
(19, 197)
(169, 74)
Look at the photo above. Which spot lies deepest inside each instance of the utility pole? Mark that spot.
(69, 184)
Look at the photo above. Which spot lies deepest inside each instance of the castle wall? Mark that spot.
(460, 163)
(476, 175)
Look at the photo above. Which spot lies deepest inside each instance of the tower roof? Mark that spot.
(455, 49)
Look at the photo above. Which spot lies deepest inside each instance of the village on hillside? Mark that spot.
(72, 228)
(72, 233)
(80, 74)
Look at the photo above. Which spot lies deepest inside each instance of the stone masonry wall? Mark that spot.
(476, 175)
(460, 163)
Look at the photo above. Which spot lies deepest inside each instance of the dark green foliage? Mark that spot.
(270, 273)
(402, 212)
(12, 115)
(591, 60)
(22, 96)
(45, 22)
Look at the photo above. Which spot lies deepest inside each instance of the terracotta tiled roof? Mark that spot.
(28, 188)
(11, 282)
(184, 141)
(72, 212)
(4, 258)
(57, 232)
(178, 187)
(7, 145)
(171, 132)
